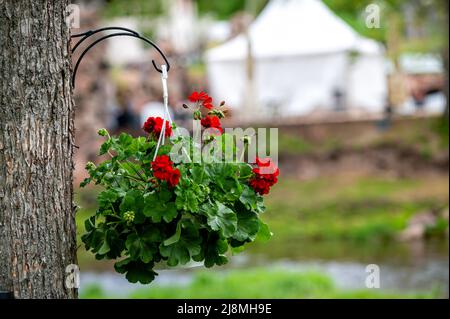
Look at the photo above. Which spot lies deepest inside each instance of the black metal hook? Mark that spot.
(124, 32)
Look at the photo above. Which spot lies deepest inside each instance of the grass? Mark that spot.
(428, 137)
(355, 209)
(257, 283)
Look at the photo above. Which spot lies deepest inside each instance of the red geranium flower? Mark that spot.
(202, 97)
(208, 103)
(174, 177)
(153, 125)
(260, 185)
(266, 167)
(265, 176)
(163, 170)
(198, 96)
(160, 167)
(211, 121)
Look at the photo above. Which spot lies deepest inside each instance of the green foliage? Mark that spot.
(135, 8)
(225, 9)
(342, 209)
(430, 17)
(441, 128)
(141, 220)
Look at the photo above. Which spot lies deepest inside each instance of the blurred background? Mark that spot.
(359, 92)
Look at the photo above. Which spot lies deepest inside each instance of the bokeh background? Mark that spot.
(359, 92)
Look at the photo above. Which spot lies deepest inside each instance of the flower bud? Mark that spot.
(217, 113)
(197, 115)
(102, 132)
(128, 216)
(90, 166)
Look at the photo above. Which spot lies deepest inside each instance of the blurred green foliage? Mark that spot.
(225, 9)
(257, 283)
(427, 136)
(431, 16)
(144, 8)
(136, 8)
(440, 127)
(363, 209)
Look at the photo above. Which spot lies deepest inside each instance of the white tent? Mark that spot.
(305, 59)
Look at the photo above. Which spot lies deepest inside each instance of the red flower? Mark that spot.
(208, 103)
(265, 176)
(160, 167)
(174, 177)
(153, 125)
(197, 96)
(211, 121)
(266, 167)
(202, 97)
(260, 185)
(163, 170)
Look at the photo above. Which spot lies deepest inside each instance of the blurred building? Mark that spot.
(298, 58)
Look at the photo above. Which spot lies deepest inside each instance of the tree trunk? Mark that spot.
(37, 217)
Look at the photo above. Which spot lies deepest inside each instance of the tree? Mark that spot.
(37, 217)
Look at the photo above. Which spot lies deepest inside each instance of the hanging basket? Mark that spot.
(157, 209)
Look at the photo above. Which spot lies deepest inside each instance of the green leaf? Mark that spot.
(136, 271)
(175, 237)
(94, 237)
(264, 232)
(187, 200)
(131, 168)
(237, 250)
(115, 243)
(107, 198)
(186, 247)
(248, 198)
(214, 249)
(125, 140)
(133, 201)
(199, 176)
(143, 246)
(221, 218)
(89, 224)
(260, 207)
(164, 195)
(247, 226)
(232, 189)
(85, 182)
(104, 248)
(105, 147)
(245, 170)
(157, 208)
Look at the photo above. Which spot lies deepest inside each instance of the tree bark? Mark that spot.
(37, 216)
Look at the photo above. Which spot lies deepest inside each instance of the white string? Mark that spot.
(161, 139)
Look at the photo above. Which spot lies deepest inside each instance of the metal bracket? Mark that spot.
(122, 32)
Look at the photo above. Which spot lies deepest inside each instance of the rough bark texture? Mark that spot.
(37, 217)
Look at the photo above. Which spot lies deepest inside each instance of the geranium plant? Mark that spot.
(154, 210)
